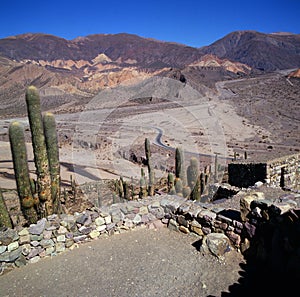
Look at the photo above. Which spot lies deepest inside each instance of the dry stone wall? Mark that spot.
(219, 229)
(282, 172)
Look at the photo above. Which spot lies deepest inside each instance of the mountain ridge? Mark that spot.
(79, 68)
(266, 51)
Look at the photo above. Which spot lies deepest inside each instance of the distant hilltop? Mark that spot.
(79, 68)
(268, 52)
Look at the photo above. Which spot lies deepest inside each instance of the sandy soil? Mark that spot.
(204, 128)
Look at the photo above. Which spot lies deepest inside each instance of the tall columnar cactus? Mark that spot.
(170, 181)
(216, 168)
(192, 172)
(19, 156)
(51, 138)
(5, 220)
(39, 150)
(178, 186)
(143, 188)
(196, 191)
(179, 165)
(186, 191)
(150, 169)
(120, 187)
(126, 190)
(202, 183)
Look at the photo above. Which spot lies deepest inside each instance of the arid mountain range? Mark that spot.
(73, 70)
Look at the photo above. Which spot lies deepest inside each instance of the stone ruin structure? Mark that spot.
(281, 172)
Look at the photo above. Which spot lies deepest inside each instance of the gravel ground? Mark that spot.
(136, 263)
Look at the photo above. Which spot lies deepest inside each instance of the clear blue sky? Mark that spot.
(196, 23)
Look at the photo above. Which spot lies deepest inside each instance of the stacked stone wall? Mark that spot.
(284, 172)
(247, 230)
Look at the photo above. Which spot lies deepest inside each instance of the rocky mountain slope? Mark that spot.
(267, 52)
(69, 71)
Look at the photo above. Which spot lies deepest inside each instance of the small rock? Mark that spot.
(184, 229)
(173, 225)
(47, 234)
(81, 219)
(107, 220)
(101, 228)
(38, 228)
(35, 243)
(35, 237)
(24, 239)
(2, 249)
(79, 238)
(60, 247)
(99, 221)
(12, 246)
(62, 230)
(23, 232)
(217, 243)
(137, 219)
(143, 210)
(45, 243)
(26, 248)
(34, 259)
(11, 256)
(21, 261)
(69, 242)
(182, 221)
(128, 223)
(110, 226)
(34, 252)
(8, 236)
(145, 219)
(158, 224)
(61, 238)
(49, 250)
(94, 234)
(85, 230)
(158, 212)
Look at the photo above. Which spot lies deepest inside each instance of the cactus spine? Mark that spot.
(5, 220)
(53, 158)
(39, 150)
(150, 169)
(19, 156)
